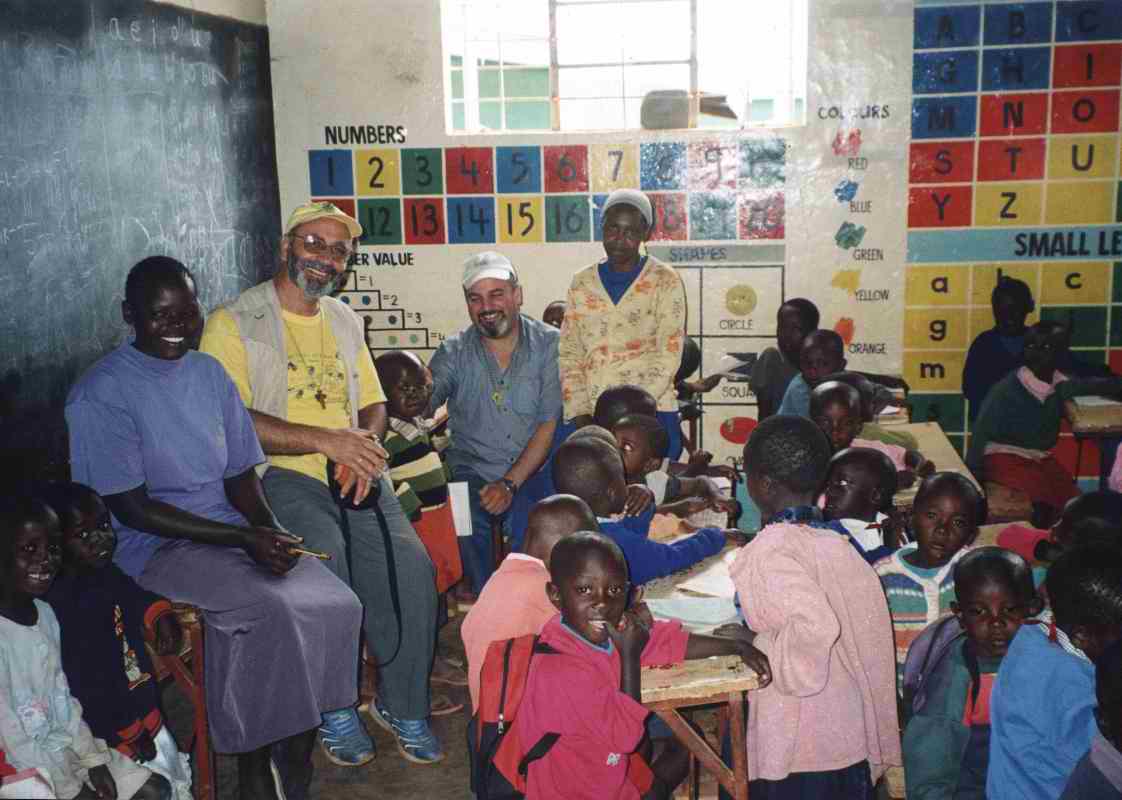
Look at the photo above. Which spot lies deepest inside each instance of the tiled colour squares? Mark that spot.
(518, 169)
(944, 117)
(471, 220)
(378, 172)
(671, 220)
(424, 220)
(422, 170)
(939, 206)
(763, 163)
(614, 166)
(944, 71)
(1085, 111)
(1082, 156)
(935, 327)
(1019, 159)
(1087, 65)
(939, 285)
(330, 172)
(1023, 23)
(567, 218)
(941, 162)
(713, 166)
(947, 26)
(1014, 114)
(1008, 204)
(381, 220)
(1016, 69)
(521, 219)
(762, 215)
(469, 170)
(566, 168)
(1078, 202)
(662, 166)
(712, 216)
(1088, 21)
(934, 370)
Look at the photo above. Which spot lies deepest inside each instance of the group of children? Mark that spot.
(878, 640)
(79, 705)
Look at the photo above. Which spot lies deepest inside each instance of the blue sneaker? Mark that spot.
(415, 739)
(345, 742)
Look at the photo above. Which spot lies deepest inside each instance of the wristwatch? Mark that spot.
(510, 485)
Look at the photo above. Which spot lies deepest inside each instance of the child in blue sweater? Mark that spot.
(592, 469)
(1042, 707)
(946, 743)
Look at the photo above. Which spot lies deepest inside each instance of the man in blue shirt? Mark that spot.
(501, 382)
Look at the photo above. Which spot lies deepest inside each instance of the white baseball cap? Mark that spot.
(488, 264)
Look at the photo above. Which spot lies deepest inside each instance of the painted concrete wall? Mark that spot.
(842, 190)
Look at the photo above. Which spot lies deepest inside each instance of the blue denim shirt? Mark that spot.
(489, 436)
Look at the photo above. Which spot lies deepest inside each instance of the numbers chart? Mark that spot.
(718, 190)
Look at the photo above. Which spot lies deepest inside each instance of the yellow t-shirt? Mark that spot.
(317, 378)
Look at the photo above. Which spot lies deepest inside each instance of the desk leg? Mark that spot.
(738, 730)
(697, 745)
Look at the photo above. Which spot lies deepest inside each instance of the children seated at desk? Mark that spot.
(776, 366)
(874, 399)
(860, 484)
(999, 351)
(514, 601)
(588, 691)
(918, 578)
(946, 743)
(592, 469)
(642, 444)
(826, 727)
(1043, 701)
(1020, 423)
(41, 725)
(822, 353)
(102, 615)
(835, 408)
(1098, 776)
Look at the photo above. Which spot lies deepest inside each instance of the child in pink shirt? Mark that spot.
(835, 407)
(513, 602)
(826, 727)
(588, 691)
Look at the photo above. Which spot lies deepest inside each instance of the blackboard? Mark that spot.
(127, 129)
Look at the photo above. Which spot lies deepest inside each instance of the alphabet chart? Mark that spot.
(1013, 170)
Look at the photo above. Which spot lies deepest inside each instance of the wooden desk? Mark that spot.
(935, 447)
(711, 681)
(1094, 422)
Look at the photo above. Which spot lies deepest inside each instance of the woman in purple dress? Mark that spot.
(160, 432)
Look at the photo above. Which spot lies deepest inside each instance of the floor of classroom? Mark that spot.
(388, 775)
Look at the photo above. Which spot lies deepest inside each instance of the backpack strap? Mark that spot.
(540, 748)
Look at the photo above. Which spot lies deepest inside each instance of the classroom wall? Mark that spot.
(813, 210)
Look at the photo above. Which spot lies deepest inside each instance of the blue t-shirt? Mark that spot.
(615, 283)
(796, 400)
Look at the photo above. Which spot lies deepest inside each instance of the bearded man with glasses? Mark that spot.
(299, 359)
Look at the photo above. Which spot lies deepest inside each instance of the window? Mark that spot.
(569, 65)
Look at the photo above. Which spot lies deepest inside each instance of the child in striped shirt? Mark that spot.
(918, 579)
(420, 482)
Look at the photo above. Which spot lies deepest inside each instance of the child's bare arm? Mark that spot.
(630, 636)
(701, 646)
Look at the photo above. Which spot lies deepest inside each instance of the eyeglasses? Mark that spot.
(318, 247)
